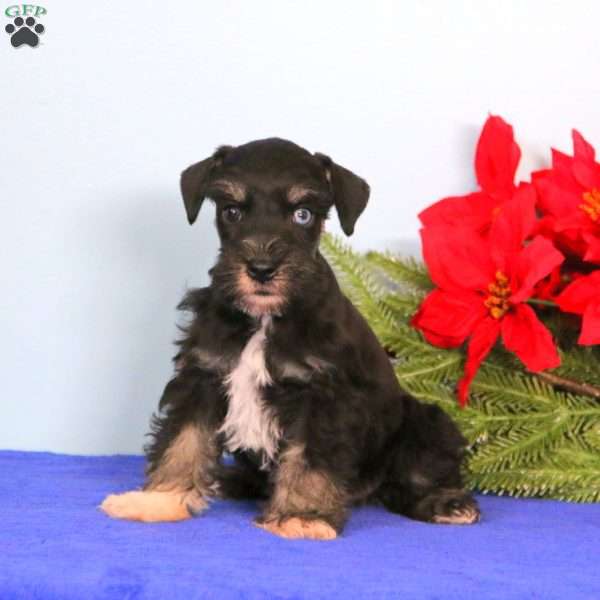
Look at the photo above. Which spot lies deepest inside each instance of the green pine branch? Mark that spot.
(581, 363)
(407, 272)
(527, 437)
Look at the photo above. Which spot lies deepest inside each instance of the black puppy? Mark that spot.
(278, 368)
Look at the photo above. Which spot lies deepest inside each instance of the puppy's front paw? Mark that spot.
(153, 506)
(455, 507)
(295, 528)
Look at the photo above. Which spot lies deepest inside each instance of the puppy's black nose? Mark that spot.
(261, 270)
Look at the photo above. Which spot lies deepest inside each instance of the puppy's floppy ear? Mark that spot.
(350, 192)
(196, 179)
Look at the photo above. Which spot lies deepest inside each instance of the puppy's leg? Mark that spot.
(306, 503)
(182, 458)
(177, 486)
(423, 481)
(445, 505)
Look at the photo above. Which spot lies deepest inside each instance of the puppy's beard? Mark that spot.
(258, 306)
(259, 299)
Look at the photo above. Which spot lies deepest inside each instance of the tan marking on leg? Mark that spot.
(296, 528)
(177, 487)
(464, 516)
(185, 461)
(300, 491)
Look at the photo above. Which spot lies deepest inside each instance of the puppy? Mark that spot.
(278, 369)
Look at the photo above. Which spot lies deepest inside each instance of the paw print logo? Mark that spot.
(24, 32)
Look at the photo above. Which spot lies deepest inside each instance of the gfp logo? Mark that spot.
(24, 28)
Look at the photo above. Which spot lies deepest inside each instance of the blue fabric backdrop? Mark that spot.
(54, 543)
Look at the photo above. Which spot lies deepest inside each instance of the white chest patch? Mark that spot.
(249, 424)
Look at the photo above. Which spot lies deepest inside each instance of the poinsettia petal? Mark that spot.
(541, 175)
(583, 291)
(582, 149)
(483, 339)
(525, 335)
(576, 220)
(590, 326)
(592, 253)
(473, 211)
(513, 224)
(549, 287)
(585, 169)
(530, 265)
(556, 200)
(587, 175)
(447, 319)
(497, 156)
(441, 341)
(562, 168)
(457, 258)
(545, 227)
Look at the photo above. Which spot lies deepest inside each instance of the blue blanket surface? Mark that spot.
(55, 543)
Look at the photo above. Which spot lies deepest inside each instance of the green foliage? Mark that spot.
(581, 363)
(527, 438)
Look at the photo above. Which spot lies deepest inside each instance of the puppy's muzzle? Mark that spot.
(261, 270)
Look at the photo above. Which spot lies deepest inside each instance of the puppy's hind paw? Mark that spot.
(459, 516)
(455, 507)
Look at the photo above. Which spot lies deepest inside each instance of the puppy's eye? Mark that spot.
(303, 216)
(231, 214)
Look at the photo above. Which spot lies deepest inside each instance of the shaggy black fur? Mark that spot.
(342, 403)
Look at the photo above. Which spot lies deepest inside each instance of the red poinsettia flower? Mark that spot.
(569, 196)
(583, 298)
(550, 287)
(482, 286)
(496, 160)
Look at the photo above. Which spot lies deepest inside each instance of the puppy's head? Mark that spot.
(271, 198)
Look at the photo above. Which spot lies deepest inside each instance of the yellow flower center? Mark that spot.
(591, 204)
(499, 293)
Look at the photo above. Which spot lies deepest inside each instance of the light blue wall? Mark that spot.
(98, 121)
